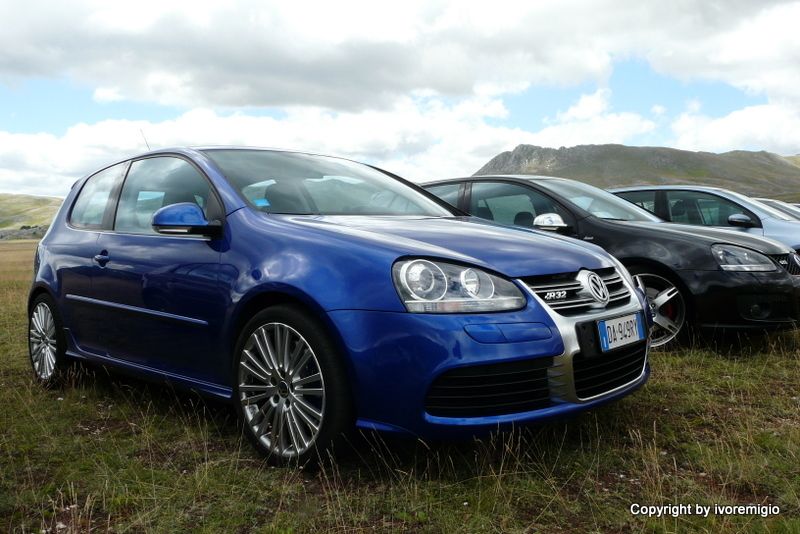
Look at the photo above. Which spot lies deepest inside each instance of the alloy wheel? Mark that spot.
(42, 341)
(667, 305)
(281, 390)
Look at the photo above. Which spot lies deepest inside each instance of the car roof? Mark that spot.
(519, 177)
(193, 150)
(691, 187)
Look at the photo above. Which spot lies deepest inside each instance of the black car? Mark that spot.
(694, 276)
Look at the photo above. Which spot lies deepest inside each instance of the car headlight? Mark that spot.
(438, 287)
(733, 258)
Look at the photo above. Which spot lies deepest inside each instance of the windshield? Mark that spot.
(596, 201)
(783, 207)
(303, 184)
(768, 211)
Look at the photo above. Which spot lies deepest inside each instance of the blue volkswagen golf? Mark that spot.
(318, 294)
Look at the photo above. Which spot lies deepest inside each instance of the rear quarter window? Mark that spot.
(447, 192)
(94, 200)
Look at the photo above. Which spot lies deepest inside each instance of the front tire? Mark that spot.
(668, 304)
(46, 343)
(290, 387)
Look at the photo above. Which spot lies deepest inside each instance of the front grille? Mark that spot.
(603, 372)
(491, 389)
(565, 294)
(788, 262)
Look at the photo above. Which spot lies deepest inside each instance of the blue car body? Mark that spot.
(171, 307)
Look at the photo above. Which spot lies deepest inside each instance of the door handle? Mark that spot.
(102, 258)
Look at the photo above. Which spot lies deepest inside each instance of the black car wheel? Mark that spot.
(668, 305)
(290, 387)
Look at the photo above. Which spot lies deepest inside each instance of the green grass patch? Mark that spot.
(107, 452)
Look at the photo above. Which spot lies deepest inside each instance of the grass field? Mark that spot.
(107, 453)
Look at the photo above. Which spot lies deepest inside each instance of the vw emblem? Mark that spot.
(597, 288)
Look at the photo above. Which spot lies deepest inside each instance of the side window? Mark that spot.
(512, 204)
(447, 192)
(93, 200)
(153, 183)
(643, 199)
(696, 207)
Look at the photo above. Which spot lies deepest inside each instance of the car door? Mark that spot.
(706, 209)
(514, 204)
(73, 251)
(160, 293)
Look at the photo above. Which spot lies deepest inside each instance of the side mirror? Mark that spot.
(549, 221)
(742, 220)
(185, 218)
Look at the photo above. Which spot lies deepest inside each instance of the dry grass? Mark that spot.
(108, 453)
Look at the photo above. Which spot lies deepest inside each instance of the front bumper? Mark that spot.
(396, 359)
(734, 300)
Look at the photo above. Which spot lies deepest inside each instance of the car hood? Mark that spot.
(712, 235)
(512, 252)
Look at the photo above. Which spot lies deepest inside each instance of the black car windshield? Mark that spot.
(596, 201)
(294, 183)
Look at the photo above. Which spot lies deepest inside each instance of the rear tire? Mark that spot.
(668, 303)
(46, 343)
(290, 387)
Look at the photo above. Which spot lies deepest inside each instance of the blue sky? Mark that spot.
(635, 87)
(424, 89)
(53, 105)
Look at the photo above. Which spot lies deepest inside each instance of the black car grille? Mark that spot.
(603, 372)
(492, 389)
(788, 262)
(566, 295)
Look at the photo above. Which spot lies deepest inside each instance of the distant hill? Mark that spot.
(30, 212)
(752, 173)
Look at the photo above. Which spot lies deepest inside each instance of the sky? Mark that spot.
(426, 89)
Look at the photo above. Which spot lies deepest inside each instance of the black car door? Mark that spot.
(514, 204)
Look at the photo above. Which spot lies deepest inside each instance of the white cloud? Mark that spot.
(415, 86)
(693, 105)
(588, 106)
(355, 54)
(107, 94)
(420, 138)
(590, 121)
(770, 127)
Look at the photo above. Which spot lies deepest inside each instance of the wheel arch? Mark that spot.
(262, 298)
(36, 290)
(664, 271)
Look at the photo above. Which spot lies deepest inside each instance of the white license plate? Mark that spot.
(620, 331)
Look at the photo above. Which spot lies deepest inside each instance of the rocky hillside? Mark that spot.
(26, 216)
(752, 173)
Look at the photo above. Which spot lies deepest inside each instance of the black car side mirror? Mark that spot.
(184, 218)
(741, 220)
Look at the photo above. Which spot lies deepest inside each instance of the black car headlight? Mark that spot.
(733, 258)
(427, 286)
